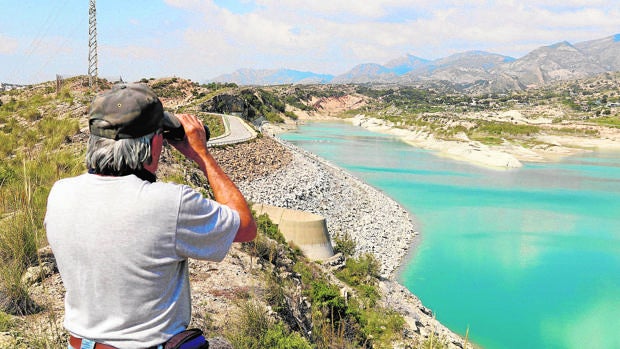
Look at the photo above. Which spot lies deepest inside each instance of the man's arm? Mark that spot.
(194, 147)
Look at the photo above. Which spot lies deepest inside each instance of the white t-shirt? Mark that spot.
(121, 245)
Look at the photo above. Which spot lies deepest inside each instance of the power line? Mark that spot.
(38, 39)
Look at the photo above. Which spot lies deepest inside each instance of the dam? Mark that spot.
(306, 230)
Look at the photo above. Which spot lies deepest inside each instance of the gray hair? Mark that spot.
(123, 156)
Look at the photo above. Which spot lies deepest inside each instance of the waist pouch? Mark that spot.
(188, 339)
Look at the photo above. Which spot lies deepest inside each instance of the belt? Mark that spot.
(76, 343)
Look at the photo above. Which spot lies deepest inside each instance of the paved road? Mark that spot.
(237, 131)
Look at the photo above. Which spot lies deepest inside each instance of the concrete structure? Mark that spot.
(304, 229)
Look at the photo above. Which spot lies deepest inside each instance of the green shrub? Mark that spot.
(273, 117)
(363, 270)
(275, 294)
(571, 104)
(344, 244)
(291, 115)
(296, 102)
(507, 128)
(14, 297)
(490, 140)
(264, 248)
(20, 235)
(6, 322)
(7, 174)
(65, 96)
(327, 297)
(30, 114)
(267, 227)
(57, 131)
(382, 325)
(278, 337)
(609, 121)
(253, 328)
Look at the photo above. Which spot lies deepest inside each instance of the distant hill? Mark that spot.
(464, 67)
(273, 77)
(561, 61)
(606, 52)
(368, 72)
(482, 71)
(403, 65)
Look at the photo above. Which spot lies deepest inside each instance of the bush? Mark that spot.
(278, 337)
(361, 271)
(382, 325)
(253, 328)
(291, 115)
(273, 117)
(266, 226)
(344, 244)
(327, 297)
(21, 235)
(31, 114)
(506, 128)
(609, 121)
(6, 322)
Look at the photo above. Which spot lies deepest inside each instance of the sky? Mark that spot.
(201, 39)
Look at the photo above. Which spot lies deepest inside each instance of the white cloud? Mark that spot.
(327, 35)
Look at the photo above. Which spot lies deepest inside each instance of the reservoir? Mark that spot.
(523, 258)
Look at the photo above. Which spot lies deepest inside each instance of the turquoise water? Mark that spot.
(526, 258)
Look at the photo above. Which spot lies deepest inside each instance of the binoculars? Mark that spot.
(173, 130)
(178, 133)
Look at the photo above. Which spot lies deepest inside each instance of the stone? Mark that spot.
(37, 273)
(219, 343)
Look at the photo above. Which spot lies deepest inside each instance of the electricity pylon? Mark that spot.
(92, 44)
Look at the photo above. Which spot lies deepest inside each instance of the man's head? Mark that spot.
(122, 123)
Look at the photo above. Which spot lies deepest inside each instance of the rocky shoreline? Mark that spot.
(499, 157)
(377, 224)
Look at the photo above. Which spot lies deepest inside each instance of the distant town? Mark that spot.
(9, 87)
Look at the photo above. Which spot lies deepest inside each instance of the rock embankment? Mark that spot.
(376, 223)
(245, 162)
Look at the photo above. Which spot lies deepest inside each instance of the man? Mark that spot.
(122, 240)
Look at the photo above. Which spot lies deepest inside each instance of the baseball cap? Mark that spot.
(128, 111)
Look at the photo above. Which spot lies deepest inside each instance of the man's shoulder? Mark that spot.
(182, 192)
(69, 181)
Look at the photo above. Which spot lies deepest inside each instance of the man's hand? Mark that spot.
(194, 147)
(195, 141)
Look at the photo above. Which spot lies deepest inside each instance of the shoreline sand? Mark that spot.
(501, 157)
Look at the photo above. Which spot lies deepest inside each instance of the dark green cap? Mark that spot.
(128, 111)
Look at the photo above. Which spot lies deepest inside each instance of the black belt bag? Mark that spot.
(188, 339)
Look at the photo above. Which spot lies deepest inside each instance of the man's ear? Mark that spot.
(156, 149)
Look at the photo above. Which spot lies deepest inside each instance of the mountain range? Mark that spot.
(471, 70)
